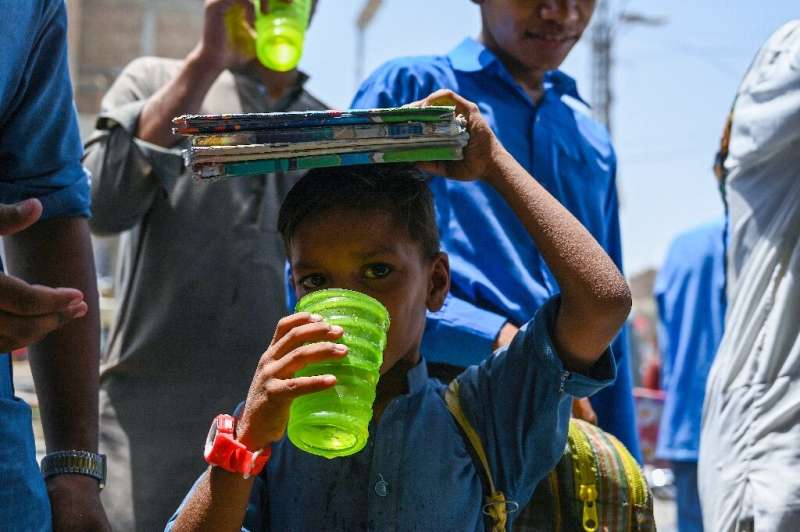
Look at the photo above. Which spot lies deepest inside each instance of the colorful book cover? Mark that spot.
(200, 124)
(207, 171)
(352, 131)
(277, 151)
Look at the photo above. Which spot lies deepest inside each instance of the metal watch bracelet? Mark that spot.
(75, 463)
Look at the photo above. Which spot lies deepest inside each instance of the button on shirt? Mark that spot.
(416, 472)
(690, 294)
(498, 275)
(40, 154)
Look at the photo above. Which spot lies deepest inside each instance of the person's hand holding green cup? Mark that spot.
(280, 33)
(335, 422)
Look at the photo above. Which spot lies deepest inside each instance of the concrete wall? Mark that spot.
(105, 35)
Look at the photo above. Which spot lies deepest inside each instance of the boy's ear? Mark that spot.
(438, 282)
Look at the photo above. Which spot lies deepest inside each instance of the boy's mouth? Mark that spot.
(551, 40)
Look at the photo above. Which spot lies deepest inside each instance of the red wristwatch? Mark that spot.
(224, 451)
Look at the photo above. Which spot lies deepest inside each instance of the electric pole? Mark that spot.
(362, 22)
(602, 64)
(603, 34)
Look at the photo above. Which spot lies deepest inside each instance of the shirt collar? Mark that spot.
(472, 56)
(417, 377)
(564, 85)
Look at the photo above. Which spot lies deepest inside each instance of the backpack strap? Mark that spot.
(495, 504)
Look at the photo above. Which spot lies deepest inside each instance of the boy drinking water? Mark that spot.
(372, 229)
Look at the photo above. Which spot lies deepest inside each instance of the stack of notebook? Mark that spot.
(263, 143)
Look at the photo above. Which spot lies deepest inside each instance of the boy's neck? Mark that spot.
(530, 79)
(278, 84)
(392, 384)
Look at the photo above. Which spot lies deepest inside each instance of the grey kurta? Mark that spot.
(200, 289)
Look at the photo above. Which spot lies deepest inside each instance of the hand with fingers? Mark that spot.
(30, 312)
(483, 145)
(229, 36)
(299, 340)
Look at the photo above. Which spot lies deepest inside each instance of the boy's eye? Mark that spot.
(310, 282)
(377, 271)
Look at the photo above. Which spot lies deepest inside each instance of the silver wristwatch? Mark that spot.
(75, 463)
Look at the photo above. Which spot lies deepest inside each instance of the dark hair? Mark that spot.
(397, 189)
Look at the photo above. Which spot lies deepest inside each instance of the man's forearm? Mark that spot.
(65, 363)
(182, 95)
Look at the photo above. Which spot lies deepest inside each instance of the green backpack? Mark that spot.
(597, 485)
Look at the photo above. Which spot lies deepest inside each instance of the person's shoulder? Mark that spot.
(22, 25)
(410, 65)
(438, 384)
(31, 16)
(691, 249)
(48, 10)
(147, 74)
(150, 65)
(699, 238)
(139, 80)
(785, 37)
(28, 21)
(404, 80)
(310, 102)
(708, 230)
(776, 64)
(422, 70)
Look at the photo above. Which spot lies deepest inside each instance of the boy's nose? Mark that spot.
(561, 11)
(355, 284)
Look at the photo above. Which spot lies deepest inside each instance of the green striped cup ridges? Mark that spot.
(335, 422)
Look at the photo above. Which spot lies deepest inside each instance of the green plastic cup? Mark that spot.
(335, 422)
(281, 32)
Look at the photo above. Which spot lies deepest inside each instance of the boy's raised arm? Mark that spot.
(595, 299)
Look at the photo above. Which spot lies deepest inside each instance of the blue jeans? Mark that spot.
(24, 506)
(690, 517)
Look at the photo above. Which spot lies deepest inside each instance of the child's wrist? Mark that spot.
(248, 435)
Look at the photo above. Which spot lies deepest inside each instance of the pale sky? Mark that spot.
(673, 87)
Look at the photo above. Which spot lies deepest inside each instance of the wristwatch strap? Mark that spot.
(75, 463)
(223, 450)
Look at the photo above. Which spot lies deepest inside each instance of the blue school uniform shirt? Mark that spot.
(497, 273)
(690, 295)
(416, 472)
(40, 153)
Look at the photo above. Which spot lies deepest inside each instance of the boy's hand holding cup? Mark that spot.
(302, 359)
(300, 339)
